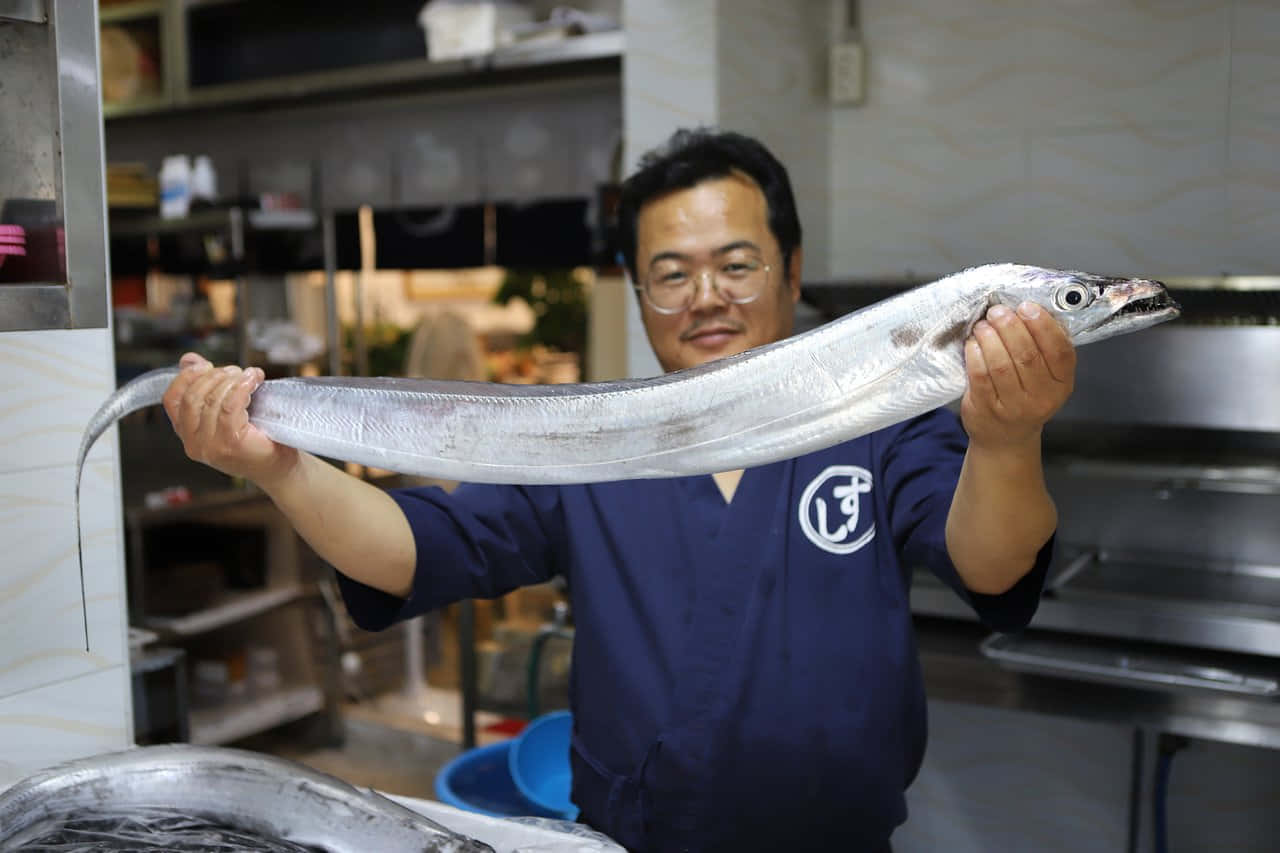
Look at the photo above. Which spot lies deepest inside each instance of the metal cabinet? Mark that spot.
(53, 255)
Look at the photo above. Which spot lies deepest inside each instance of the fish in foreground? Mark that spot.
(891, 361)
(196, 794)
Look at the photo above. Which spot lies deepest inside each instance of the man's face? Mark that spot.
(700, 229)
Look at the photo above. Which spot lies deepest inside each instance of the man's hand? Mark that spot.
(1021, 368)
(209, 409)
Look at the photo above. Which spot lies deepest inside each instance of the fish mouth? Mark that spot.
(1138, 303)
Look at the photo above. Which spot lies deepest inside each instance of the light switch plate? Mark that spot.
(845, 73)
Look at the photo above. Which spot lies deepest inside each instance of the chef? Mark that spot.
(745, 675)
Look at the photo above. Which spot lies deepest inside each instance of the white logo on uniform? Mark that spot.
(845, 485)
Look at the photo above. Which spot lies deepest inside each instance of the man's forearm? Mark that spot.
(1000, 517)
(353, 525)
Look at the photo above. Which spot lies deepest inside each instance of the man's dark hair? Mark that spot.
(690, 157)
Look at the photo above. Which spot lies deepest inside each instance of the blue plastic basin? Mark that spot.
(479, 780)
(539, 762)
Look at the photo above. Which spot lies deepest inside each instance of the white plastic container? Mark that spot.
(175, 186)
(204, 180)
(456, 29)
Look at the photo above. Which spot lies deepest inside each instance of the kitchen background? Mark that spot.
(1126, 137)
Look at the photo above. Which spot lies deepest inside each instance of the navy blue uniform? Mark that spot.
(745, 675)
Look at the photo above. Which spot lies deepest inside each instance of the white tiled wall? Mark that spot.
(772, 76)
(63, 721)
(58, 701)
(1255, 69)
(52, 383)
(670, 75)
(1119, 137)
(1253, 188)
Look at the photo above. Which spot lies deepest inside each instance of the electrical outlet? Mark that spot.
(845, 73)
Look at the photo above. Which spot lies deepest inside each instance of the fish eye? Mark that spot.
(1073, 296)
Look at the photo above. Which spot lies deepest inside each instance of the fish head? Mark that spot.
(1089, 307)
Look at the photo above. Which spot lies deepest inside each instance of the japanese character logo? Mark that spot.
(830, 509)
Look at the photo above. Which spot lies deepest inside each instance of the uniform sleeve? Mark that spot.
(921, 468)
(480, 541)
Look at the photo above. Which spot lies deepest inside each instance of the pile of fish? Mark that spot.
(188, 798)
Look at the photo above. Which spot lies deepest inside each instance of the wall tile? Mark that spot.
(1255, 61)
(41, 621)
(52, 384)
(1104, 62)
(951, 67)
(1253, 196)
(64, 721)
(772, 72)
(1147, 199)
(1123, 109)
(930, 205)
(670, 78)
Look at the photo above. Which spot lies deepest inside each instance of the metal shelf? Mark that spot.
(203, 4)
(147, 226)
(302, 219)
(1239, 479)
(1129, 665)
(131, 11)
(239, 719)
(572, 55)
(213, 219)
(143, 516)
(27, 11)
(235, 607)
(136, 106)
(34, 305)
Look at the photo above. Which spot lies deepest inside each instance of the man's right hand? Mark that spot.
(355, 526)
(209, 410)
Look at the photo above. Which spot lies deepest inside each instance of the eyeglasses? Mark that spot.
(672, 286)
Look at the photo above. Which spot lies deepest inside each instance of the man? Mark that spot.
(745, 675)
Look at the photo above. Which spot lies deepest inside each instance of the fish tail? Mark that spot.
(146, 390)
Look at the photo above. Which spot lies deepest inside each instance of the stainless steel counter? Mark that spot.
(956, 670)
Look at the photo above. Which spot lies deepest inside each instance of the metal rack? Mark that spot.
(600, 52)
(296, 697)
(238, 224)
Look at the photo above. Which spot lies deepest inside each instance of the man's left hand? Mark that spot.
(1021, 366)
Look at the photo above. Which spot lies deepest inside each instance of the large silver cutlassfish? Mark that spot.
(878, 366)
(191, 798)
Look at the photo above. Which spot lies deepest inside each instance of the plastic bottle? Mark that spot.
(204, 182)
(175, 186)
